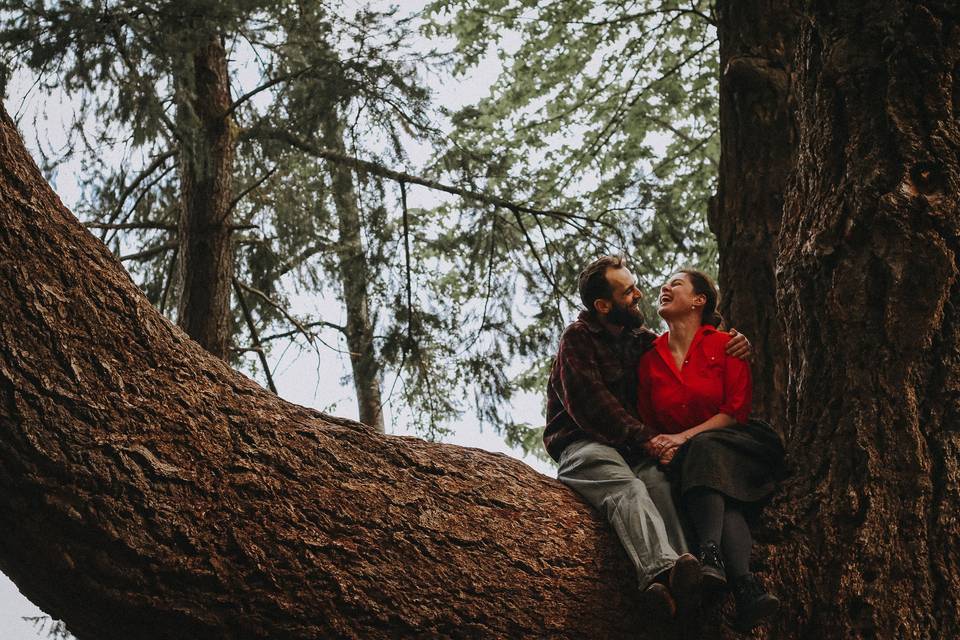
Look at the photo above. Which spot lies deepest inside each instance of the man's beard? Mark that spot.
(626, 317)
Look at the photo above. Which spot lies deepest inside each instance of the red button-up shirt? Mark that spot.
(710, 382)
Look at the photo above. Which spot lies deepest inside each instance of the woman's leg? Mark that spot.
(754, 603)
(736, 542)
(706, 508)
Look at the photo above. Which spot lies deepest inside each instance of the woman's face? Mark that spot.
(677, 297)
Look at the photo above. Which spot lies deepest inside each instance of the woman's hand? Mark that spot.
(667, 456)
(664, 445)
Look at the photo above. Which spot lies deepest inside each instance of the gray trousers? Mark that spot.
(636, 500)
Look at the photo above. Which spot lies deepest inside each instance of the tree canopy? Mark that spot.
(611, 141)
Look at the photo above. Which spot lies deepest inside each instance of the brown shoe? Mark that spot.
(658, 602)
(684, 582)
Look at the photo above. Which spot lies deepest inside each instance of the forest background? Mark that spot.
(482, 98)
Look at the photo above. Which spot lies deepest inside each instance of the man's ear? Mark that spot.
(602, 306)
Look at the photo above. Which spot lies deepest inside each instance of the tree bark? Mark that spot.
(757, 154)
(354, 278)
(867, 532)
(207, 138)
(148, 491)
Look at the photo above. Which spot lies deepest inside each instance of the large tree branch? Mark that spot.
(152, 492)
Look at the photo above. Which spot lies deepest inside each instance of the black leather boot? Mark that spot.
(711, 566)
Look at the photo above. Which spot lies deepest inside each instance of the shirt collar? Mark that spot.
(705, 329)
(592, 323)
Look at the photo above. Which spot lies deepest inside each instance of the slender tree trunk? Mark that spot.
(148, 491)
(867, 532)
(354, 278)
(207, 140)
(757, 154)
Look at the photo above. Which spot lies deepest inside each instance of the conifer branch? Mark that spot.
(266, 85)
(169, 279)
(150, 169)
(146, 254)
(316, 247)
(546, 274)
(243, 194)
(309, 325)
(248, 318)
(406, 258)
(378, 169)
(127, 226)
(301, 328)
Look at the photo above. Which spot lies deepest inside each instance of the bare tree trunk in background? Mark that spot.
(758, 152)
(148, 491)
(354, 278)
(866, 534)
(207, 139)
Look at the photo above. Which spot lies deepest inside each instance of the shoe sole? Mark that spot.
(658, 602)
(685, 581)
(766, 608)
(712, 580)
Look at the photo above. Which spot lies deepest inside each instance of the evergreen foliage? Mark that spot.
(603, 121)
(606, 109)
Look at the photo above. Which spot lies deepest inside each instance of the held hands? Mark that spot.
(664, 446)
(739, 346)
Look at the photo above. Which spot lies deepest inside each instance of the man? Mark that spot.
(594, 433)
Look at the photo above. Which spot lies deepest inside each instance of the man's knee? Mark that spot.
(587, 456)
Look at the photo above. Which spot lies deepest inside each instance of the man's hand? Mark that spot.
(667, 456)
(739, 346)
(664, 446)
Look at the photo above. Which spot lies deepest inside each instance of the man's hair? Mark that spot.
(593, 279)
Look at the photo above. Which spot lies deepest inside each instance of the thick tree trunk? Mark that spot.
(207, 140)
(149, 491)
(868, 530)
(354, 278)
(757, 154)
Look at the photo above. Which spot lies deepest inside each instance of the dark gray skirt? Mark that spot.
(743, 461)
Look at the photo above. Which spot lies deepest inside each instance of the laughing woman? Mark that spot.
(698, 400)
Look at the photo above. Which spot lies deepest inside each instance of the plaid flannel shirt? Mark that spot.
(592, 393)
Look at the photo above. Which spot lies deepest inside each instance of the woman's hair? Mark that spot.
(704, 285)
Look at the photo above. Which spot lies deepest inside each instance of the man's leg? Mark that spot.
(661, 492)
(600, 474)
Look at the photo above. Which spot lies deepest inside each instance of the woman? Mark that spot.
(698, 400)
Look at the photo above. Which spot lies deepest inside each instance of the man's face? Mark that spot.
(624, 306)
